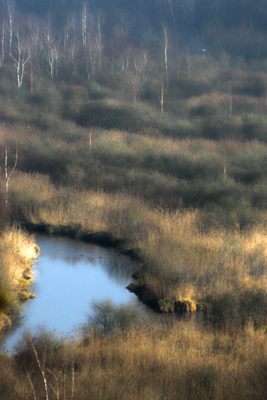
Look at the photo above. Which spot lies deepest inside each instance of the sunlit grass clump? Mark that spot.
(17, 253)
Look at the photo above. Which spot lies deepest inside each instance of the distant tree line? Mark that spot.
(88, 39)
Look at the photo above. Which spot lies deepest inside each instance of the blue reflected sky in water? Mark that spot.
(68, 275)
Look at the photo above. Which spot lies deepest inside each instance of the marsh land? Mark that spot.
(147, 131)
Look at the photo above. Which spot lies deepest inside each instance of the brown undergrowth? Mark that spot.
(159, 361)
(179, 260)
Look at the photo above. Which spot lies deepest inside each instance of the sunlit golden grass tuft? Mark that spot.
(18, 252)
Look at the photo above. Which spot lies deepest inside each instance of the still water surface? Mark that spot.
(69, 275)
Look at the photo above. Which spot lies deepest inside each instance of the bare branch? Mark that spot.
(41, 367)
(31, 384)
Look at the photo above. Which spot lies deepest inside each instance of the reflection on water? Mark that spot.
(118, 269)
(68, 275)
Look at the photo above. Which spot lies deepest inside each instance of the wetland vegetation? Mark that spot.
(126, 133)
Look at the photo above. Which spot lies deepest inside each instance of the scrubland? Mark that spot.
(186, 191)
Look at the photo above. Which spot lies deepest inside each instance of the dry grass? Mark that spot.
(159, 362)
(180, 261)
(18, 250)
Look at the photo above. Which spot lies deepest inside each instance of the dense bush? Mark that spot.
(233, 310)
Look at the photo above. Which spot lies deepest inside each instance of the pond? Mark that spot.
(68, 275)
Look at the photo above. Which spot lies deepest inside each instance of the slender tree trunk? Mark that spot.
(31, 76)
(41, 368)
(99, 44)
(166, 54)
(188, 65)
(134, 90)
(31, 384)
(7, 174)
(162, 98)
(90, 140)
(178, 66)
(72, 379)
(84, 24)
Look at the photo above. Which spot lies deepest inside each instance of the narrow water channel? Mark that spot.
(68, 276)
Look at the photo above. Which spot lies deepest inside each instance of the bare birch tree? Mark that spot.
(10, 7)
(2, 49)
(99, 43)
(94, 47)
(33, 45)
(166, 54)
(71, 45)
(188, 64)
(20, 57)
(91, 56)
(8, 171)
(84, 23)
(227, 151)
(188, 8)
(41, 363)
(52, 51)
(140, 72)
(57, 383)
(162, 94)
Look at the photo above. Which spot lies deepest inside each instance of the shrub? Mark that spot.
(250, 85)
(202, 111)
(104, 115)
(186, 88)
(108, 317)
(234, 310)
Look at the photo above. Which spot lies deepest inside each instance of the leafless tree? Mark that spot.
(20, 57)
(94, 47)
(52, 51)
(8, 171)
(188, 8)
(2, 49)
(166, 54)
(84, 23)
(162, 94)
(227, 150)
(99, 42)
(58, 383)
(91, 56)
(140, 71)
(71, 45)
(230, 105)
(10, 7)
(33, 45)
(188, 64)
